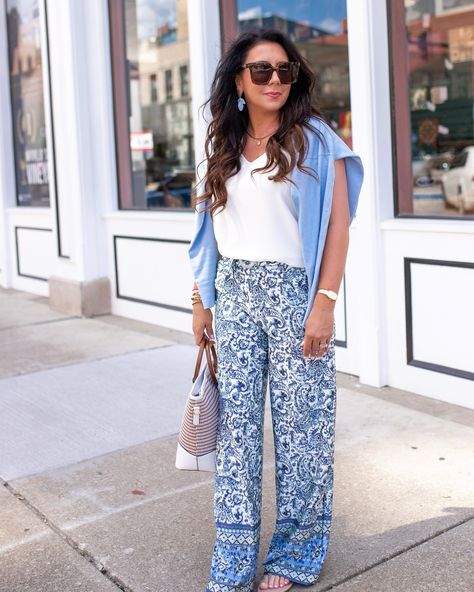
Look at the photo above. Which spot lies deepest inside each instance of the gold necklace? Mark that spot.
(259, 140)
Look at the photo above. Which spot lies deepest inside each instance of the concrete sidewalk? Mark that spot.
(91, 502)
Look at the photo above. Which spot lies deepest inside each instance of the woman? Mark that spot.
(269, 250)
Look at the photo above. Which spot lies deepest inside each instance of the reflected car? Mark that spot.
(438, 164)
(458, 182)
(429, 168)
(173, 191)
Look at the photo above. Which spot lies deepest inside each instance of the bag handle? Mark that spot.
(202, 346)
(211, 358)
(212, 349)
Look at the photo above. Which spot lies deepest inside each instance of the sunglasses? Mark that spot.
(262, 72)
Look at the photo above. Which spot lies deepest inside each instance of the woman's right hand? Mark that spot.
(202, 320)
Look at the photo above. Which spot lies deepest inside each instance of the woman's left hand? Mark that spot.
(319, 328)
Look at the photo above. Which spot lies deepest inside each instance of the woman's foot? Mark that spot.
(275, 583)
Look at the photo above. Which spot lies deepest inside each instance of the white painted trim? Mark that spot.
(370, 105)
(204, 54)
(150, 216)
(85, 152)
(419, 225)
(7, 163)
(27, 212)
(62, 91)
(48, 118)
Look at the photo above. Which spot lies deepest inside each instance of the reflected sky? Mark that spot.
(326, 14)
(25, 8)
(152, 14)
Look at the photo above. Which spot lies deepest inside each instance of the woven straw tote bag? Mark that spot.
(196, 449)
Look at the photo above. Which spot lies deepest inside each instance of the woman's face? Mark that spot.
(258, 96)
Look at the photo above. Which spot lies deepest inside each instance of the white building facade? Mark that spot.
(101, 131)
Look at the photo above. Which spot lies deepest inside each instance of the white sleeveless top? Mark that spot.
(259, 221)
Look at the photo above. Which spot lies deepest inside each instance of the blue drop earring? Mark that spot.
(240, 103)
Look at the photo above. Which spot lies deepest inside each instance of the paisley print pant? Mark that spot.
(259, 313)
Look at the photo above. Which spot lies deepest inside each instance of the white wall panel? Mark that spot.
(432, 240)
(153, 271)
(442, 301)
(35, 252)
(156, 265)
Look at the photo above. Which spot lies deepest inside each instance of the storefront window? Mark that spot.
(319, 30)
(153, 117)
(27, 102)
(432, 91)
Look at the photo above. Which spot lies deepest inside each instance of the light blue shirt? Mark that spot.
(312, 199)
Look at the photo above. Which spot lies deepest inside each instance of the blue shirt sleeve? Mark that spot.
(354, 171)
(203, 254)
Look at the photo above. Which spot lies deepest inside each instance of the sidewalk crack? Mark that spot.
(120, 584)
(396, 554)
(37, 323)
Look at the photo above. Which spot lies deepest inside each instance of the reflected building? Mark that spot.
(160, 103)
(327, 53)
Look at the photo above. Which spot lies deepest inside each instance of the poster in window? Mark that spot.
(27, 101)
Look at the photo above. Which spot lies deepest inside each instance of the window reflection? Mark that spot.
(160, 117)
(440, 35)
(26, 88)
(319, 30)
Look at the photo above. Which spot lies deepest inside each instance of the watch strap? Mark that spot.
(329, 293)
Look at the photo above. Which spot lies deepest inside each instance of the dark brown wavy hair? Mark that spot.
(223, 143)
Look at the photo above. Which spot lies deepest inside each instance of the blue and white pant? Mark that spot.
(259, 311)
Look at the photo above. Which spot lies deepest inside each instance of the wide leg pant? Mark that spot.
(259, 328)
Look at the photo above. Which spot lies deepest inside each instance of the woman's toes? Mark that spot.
(274, 581)
(264, 582)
